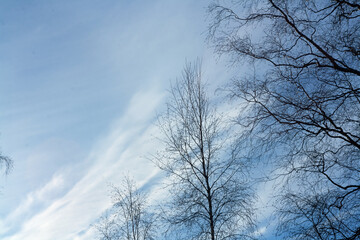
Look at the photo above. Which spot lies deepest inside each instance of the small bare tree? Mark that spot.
(129, 218)
(210, 197)
(107, 227)
(6, 162)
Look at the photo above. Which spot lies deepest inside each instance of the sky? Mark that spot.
(81, 84)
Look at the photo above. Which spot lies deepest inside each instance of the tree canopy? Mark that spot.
(303, 100)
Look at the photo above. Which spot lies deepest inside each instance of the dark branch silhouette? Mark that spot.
(302, 104)
(209, 196)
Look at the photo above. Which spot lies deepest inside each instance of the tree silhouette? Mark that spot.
(303, 101)
(210, 197)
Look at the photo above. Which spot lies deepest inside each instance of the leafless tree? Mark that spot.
(129, 218)
(6, 163)
(107, 227)
(210, 197)
(304, 102)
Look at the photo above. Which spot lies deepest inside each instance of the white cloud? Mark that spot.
(260, 231)
(36, 198)
(69, 216)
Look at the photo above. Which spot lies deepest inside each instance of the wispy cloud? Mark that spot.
(69, 216)
(34, 200)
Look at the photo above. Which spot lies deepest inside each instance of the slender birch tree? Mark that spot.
(210, 197)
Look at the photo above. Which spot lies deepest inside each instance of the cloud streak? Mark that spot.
(69, 216)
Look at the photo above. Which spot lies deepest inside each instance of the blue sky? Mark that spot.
(80, 85)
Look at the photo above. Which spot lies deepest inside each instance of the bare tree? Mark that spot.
(6, 163)
(107, 227)
(129, 218)
(304, 103)
(209, 195)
